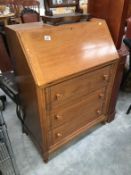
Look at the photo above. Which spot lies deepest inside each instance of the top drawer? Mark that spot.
(79, 86)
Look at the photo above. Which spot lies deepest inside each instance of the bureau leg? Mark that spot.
(111, 116)
(24, 130)
(46, 157)
(103, 122)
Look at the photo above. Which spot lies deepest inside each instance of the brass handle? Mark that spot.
(59, 96)
(101, 95)
(59, 135)
(58, 117)
(99, 112)
(106, 77)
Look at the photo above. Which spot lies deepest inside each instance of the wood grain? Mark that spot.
(77, 110)
(78, 56)
(65, 84)
(66, 90)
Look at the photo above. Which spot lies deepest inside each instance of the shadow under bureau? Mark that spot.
(65, 75)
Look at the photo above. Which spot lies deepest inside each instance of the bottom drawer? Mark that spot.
(90, 109)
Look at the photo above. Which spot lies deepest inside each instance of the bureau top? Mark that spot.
(56, 52)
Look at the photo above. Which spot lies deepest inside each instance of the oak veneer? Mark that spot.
(65, 82)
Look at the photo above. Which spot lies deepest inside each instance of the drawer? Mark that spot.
(78, 108)
(79, 86)
(77, 116)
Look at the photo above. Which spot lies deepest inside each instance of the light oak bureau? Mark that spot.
(65, 76)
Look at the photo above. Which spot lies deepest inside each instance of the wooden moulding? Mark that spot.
(123, 52)
(66, 18)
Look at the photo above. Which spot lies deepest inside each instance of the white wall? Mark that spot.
(42, 11)
(41, 3)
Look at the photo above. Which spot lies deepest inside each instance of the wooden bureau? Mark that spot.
(65, 76)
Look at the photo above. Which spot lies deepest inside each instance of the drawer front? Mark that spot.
(79, 108)
(77, 116)
(79, 86)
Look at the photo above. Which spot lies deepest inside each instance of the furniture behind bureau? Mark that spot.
(115, 14)
(75, 14)
(5, 64)
(65, 76)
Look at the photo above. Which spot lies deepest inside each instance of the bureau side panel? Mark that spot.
(116, 87)
(27, 88)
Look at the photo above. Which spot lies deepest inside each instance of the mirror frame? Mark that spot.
(51, 5)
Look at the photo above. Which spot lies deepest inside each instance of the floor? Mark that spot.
(104, 151)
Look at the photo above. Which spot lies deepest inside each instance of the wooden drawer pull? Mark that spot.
(106, 77)
(59, 135)
(99, 112)
(101, 95)
(58, 117)
(59, 96)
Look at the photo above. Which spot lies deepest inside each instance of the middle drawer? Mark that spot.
(78, 109)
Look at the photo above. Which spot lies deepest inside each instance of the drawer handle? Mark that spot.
(59, 135)
(106, 77)
(101, 95)
(59, 96)
(99, 112)
(58, 117)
